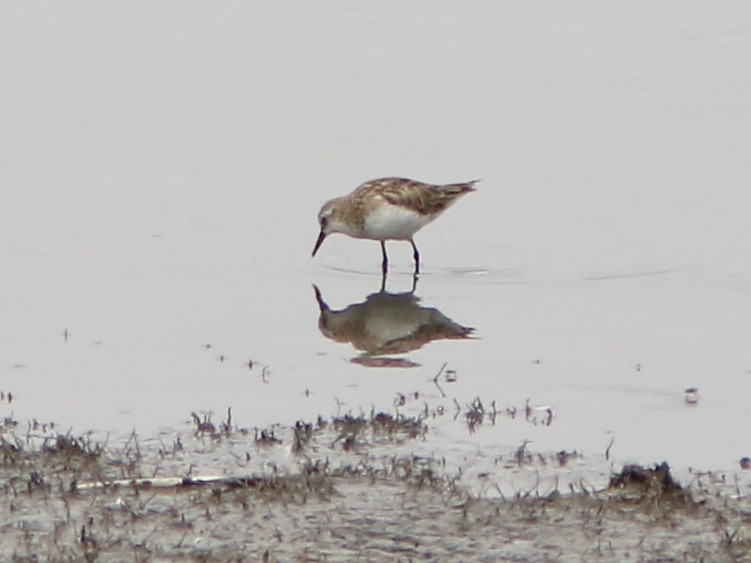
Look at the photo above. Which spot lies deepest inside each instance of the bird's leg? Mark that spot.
(416, 256)
(385, 263)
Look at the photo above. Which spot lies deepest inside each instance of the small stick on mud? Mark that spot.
(607, 450)
(435, 379)
(226, 426)
(133, 438)
(521, 455)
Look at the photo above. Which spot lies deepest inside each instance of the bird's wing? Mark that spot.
(424, 198)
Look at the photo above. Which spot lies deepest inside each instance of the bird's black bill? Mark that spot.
(319, 242)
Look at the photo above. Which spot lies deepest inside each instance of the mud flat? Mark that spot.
(339, 489)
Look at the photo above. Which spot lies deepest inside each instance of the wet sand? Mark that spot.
(341, 495)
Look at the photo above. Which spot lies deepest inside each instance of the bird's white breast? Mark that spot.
(393, 222)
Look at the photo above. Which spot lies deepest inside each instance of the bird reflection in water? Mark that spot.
(387, 324)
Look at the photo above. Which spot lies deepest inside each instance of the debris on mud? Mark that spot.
(643, 481)
(346, 488)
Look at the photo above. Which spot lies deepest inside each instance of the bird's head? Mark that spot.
(330, 220)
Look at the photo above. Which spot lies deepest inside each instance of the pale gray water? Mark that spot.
(162, 167)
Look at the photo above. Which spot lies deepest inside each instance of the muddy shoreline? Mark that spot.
(332, 490)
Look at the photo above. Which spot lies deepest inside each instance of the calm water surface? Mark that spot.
(161, 195)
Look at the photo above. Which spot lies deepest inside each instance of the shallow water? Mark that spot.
(160, 202)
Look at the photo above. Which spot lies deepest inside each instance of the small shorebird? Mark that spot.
(388, 209)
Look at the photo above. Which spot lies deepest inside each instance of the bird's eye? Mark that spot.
(323, 221)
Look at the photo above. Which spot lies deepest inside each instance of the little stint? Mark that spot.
(388, 209)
